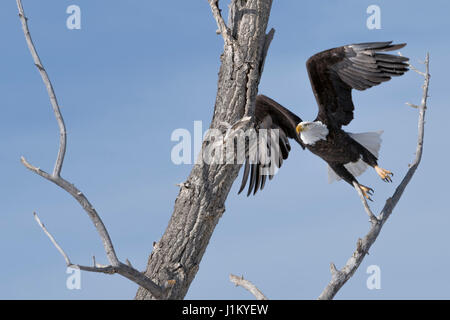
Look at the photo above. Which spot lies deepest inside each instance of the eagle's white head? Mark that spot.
(311, 132)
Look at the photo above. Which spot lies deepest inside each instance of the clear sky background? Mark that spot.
(136, 71)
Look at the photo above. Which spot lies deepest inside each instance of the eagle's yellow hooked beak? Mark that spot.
(299, 128)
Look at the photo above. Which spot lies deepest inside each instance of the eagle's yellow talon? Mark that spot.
(367, 192)
(384, 174)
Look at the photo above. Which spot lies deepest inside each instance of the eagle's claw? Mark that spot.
(367, 192)
(384, 174)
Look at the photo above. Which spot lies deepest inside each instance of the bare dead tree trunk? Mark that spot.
(201, 202)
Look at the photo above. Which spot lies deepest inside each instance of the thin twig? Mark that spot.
(115, 265)
(340, 277)
(240, 281)
(96, 268)
(372, 217)
(412, 105)
(52, 239)
(50, 91)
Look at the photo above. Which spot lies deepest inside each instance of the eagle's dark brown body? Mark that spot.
(338, 147)
(333, 74)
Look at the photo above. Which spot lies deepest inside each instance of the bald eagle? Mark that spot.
(333, 74)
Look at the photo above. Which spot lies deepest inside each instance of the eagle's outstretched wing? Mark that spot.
(335, 72)
(262, 159)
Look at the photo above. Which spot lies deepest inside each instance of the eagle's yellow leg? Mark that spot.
(385, 175)
(367, 192)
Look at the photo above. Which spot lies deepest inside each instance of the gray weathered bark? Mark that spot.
(175, 259)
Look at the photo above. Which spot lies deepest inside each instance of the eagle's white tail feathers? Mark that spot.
(371, 141)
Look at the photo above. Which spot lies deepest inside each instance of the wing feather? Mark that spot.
(244, 176)
(265, 152)
(335, 72)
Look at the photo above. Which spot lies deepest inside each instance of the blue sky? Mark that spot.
(136, 71)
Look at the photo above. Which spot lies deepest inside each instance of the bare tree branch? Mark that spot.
(52, 239)
(51, 92)
(340, 277)
(116, 266)
(372, 217)
(84, 202)
(247, 285)
(95, 268)
(130, 273)
(223, 29)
